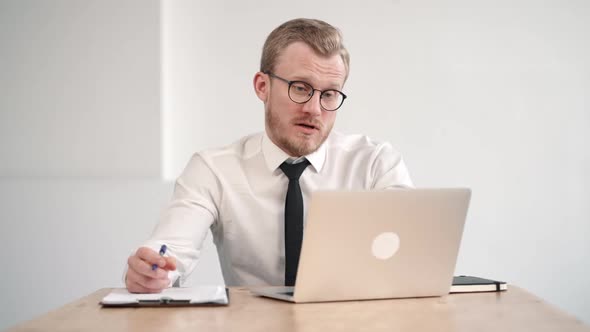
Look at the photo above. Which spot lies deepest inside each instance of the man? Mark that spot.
(245, 193)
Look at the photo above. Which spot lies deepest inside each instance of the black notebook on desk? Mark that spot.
(181, 296)
(467, 284)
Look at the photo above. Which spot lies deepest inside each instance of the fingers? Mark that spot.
(141, 278)
(137, 288)
(170, 264)
(150, 256)
(137, 283)
(144, 268)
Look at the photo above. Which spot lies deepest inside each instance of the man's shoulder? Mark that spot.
(241, 148)
(354, 142)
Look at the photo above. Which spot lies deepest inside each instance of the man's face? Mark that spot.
(300, 129)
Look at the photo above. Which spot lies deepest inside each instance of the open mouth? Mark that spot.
(307, 125)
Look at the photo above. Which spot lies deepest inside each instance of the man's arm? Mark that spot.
(183, 227)
(388, 170)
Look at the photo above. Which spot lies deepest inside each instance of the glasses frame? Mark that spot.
(313, 90)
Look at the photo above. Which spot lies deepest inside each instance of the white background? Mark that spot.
(103, 102)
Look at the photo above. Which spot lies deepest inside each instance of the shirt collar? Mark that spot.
(274, 156)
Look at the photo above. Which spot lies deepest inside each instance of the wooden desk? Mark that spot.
(514, 310)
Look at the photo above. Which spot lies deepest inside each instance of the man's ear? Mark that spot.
(261, 86)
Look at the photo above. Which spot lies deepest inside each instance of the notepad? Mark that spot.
(467, 284)
(176, 296)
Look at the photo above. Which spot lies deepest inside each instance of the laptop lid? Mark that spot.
(380, 244)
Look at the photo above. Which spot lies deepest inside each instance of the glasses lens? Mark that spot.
(331, 99)
(300, 92)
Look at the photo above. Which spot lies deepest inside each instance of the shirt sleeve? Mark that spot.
(388, 170)
(184, 223)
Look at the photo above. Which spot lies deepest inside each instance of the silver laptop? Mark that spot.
(377, 245)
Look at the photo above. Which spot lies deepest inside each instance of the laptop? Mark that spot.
(365, 245)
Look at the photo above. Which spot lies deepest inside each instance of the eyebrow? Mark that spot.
(331, 86)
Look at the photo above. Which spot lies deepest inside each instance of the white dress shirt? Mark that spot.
(239, 191)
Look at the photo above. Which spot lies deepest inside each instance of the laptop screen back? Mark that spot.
(380, 244)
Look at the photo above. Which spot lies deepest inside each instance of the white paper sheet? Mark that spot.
(195, 295)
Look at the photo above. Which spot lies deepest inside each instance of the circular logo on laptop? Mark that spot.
(385, 245)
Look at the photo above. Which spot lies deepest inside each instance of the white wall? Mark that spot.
(487, 94)
(80, 88)
(79, 147)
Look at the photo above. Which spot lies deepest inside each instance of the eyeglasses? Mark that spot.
(301, 92)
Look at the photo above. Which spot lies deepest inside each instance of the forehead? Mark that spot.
(299, 61)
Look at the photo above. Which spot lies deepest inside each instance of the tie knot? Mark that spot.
(293, 171)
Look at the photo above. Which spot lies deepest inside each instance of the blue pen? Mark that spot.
(162, 252)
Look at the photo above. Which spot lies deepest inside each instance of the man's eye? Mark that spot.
(329, 94)
(300, 88)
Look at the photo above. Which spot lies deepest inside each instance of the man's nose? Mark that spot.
(313, 105)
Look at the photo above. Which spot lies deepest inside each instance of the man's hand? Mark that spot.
(141, 278)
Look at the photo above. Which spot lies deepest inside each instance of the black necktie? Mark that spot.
(293, 219)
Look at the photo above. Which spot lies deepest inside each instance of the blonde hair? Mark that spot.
(323, 38)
